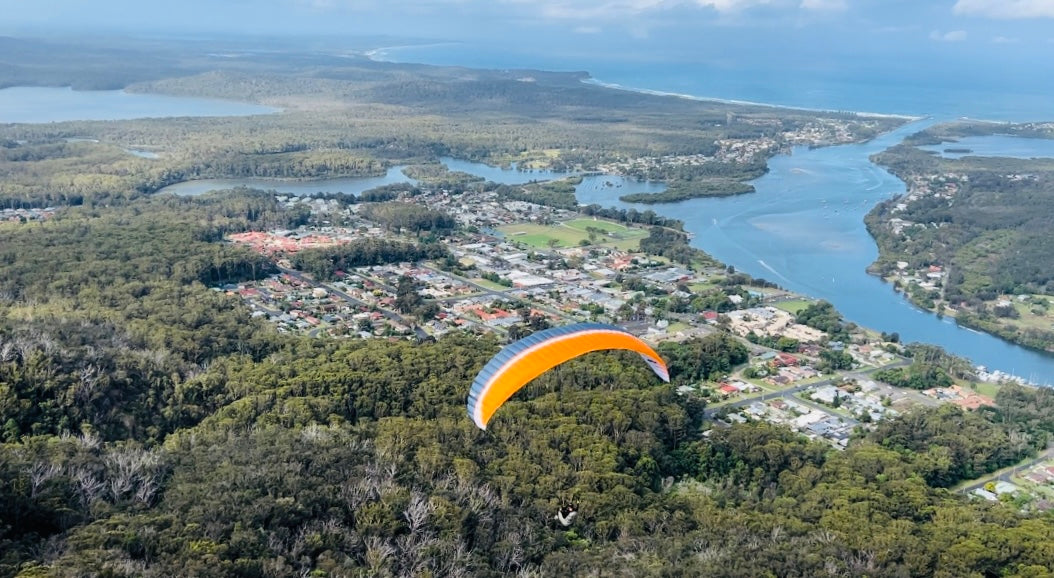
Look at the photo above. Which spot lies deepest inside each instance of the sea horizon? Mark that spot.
(811, 90)
(735, 240)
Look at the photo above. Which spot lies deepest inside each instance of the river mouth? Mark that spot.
(803, 229)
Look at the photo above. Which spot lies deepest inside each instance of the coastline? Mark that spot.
(616, 86)
(377, 54)
(906, 119)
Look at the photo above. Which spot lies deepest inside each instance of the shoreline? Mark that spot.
(613, 85)
(376, 54)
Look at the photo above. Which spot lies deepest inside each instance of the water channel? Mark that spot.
(803, 228)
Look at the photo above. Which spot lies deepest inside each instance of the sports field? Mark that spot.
(793, 306)
(572, 233)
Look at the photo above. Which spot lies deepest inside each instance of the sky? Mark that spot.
(1004, 35)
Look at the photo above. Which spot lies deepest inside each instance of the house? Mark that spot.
(1002, 487)
(1038, 477)
(784, 360)
(826, 394)
(974, 402)
(982, 493)
(727, 389)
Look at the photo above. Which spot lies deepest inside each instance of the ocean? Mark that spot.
(926, 90)
(803, 228)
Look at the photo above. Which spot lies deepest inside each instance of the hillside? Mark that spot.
(153, 424)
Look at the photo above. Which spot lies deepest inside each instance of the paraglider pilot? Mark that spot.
(566, 515)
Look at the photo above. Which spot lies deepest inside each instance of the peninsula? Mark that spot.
(970, 239)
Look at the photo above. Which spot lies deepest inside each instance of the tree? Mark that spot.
(407, 299)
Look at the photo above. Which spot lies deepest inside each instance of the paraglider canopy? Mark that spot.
(520, 362)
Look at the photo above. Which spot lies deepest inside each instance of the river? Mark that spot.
(803, 228)
(349, 185)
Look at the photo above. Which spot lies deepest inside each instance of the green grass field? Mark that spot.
(793, 306)
(984, 388)
(1029, 320)
(489, 284)
(572, 233)
(584, 224)
(701, 287)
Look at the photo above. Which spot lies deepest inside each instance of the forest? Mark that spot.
(348, 116)
(681, 191)
(985, 219)
(151, 426)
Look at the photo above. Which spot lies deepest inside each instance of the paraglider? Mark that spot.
(520, 362)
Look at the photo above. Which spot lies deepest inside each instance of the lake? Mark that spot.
(40, 104)
(350, 185)
(995, 146)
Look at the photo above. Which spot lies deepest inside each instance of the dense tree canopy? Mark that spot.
(149, 426)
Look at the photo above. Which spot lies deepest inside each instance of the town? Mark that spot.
(517, 266)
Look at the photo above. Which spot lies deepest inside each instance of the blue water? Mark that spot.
(504, 175)
(932, 89)
(39, 104)
(803, 228)
(358, 185)
(996, 146)
(348, 186)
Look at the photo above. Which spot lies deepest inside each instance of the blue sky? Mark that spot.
(963, 21)
(963, 33)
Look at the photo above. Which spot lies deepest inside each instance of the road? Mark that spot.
(1005, 474)
(420, 333)
(790, 391)
(497, 293)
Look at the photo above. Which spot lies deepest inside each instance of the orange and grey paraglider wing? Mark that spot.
(520, 362)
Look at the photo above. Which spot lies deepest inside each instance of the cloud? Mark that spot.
(596, 10)
(1006, 9)
(1005, 40)
(593, 10)
(824, 5)
(613, 9)
(732, 5)
(950, 36)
